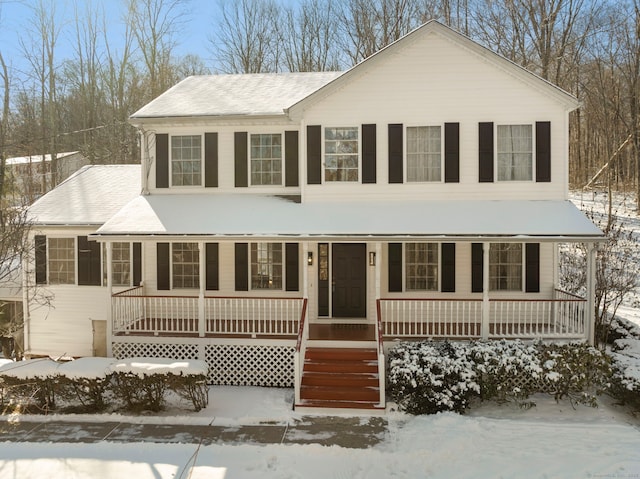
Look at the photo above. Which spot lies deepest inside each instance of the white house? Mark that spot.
(291, 226)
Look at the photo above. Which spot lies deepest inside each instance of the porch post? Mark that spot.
(485, 290)
(202, 281)
(378, 269)
(108, 245)
(590, 315)
(305, 269)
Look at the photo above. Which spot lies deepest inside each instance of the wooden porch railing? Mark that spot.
(301, 347)
(381, 360)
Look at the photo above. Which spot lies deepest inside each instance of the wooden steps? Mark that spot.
(340, 378)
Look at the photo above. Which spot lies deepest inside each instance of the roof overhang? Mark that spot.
(233, 216)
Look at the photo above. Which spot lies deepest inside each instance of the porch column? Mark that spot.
(378, 269)
(202, 281)
(590, 315)
(305, 269)
(485, 290)
(108, 246)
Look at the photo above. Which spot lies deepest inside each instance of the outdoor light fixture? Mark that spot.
(310, 258)
(372, 258)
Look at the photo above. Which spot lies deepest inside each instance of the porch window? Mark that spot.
(186, 160)
(341, 154)
(515, 153)
(424, 153)
(121, 264)
(421, 266)
(185, 265)
(62, 261)
(266, 159)
(266, 266)
(505, 267)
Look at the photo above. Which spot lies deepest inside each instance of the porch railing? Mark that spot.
(561, 317)
(381, 361)
(301, 347)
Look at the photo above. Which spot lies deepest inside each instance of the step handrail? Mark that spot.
(301, 347)
(381, 359)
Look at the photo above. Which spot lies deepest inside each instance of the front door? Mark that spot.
(349, 280)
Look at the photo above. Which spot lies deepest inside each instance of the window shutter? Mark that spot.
(88, 262)
(162, 262)
(395, 153)
(162, 160)
(369, 153)
(543, 151)
(212, 266)
(137, 264)
(291, 271)
(448, 268)
(532, 268)
(242, 267)
(240, 149)
(485, 152)
(395, 267)
(477, 261)
(290, 158)
(452, 152)
(41, 259)
(210, 159)
(314, 155)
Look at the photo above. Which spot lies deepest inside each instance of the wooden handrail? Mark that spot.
(379, 319)
(121, 293)
(303, 319)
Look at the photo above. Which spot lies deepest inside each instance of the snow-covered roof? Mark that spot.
(20, 160)
(88, 197)
(243, 215)
(241, 94)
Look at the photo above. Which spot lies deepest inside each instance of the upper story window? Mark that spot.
(421, 266)
(424, 153)
(515, 152)
(266, 159)
(62, 261)
(341, 154)
(185, 265)
(266, 266)
(505, 267)
(186, 160)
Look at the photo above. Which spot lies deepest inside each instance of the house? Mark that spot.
(292, 226)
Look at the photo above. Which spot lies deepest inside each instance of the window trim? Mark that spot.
(358, 129)
(172, 285)
(282, 160)
(496, 166)
(202, 155)
(405, 153)
(283, 278)
(438, 287)
(74, 249)
(130, 261)
(523, 268)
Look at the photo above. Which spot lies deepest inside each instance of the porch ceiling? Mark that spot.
(247, 215)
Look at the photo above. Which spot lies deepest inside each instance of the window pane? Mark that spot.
(62, 265)
(266, 266)
(421, 266)
(505, 267)
(185, 262)
(266, 159)
(186, 160)
(424, 153)
(121, 264)
(515, 152)
(341, 154)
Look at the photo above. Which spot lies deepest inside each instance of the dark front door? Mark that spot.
(349, 281)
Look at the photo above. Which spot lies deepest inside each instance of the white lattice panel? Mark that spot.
(240, 365)
(155, 350)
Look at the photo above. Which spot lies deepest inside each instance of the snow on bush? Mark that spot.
(626, 362)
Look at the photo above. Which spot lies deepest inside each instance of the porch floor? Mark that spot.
(342, 332)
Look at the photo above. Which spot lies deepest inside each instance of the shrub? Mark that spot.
(29, 384)
(625, 382)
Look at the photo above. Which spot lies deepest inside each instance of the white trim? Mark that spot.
(405, 153)
(170, 161)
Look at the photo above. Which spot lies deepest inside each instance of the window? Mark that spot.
(62, 263)
(515, 153)
(505, 267)
(266, 159)
(341, 154)
(421, 266)
(185, 265)
(266, 266)
(424, 153)
(186, 160)
(121, 264)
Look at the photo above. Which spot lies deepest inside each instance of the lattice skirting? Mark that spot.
(229, 364)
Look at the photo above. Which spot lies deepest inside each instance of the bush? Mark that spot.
(625, 382)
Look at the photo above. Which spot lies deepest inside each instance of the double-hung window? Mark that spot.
(62, 261)
(186, 160)
(421, 266)
(424, 153)
(515, 152)
(505, 267)
(341, 154)
(266, 159)
(121, 264)
(266, 266)
(185, 265)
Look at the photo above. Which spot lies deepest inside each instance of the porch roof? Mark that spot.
(247, 215)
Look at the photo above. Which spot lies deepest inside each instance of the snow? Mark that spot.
(146, 366)
(89, 368)
(33, 368)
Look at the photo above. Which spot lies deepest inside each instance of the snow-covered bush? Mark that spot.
(29, 384)
(85, 381)
(626, 370)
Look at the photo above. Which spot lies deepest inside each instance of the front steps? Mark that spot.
(340, 378)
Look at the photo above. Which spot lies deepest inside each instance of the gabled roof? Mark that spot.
(261, 94)
(90, 196)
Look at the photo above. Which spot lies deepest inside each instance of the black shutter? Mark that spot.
(543, 151)
(485, 152)
(137, 264)
(448, 268)
(314, 155)
(395, 153)
(162, 262)
(240, 143)
(452, 152)
(291, 267)
(395, 267)
(242, 267)
(210, 159)
(211, 267)
(532, 268)
(41, 259)
(162, 160)
(88, 262)
(290, 158)
(369, 153)
(477, 260)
